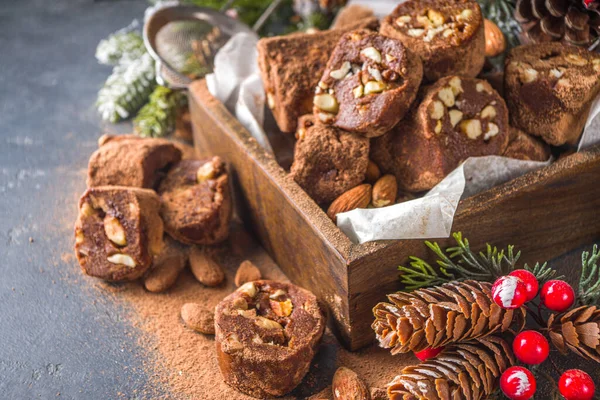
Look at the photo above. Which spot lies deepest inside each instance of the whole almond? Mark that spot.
(205, 268)
(348, 386)
(373, 172)
(166, 267)
(247, 272)
(199, 318)
(359, 197)
(385, 191)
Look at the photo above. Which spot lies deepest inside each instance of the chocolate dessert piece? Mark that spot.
(525, 147)
(349, 15)
(457, 118)
(130, 161)
(291, 67)
(368, 85)
(118, 232)
(448, 35)
(549, 89)
(196, 202)
(267, 333)
(328, 161)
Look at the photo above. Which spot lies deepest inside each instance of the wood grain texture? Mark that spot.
(545, 213)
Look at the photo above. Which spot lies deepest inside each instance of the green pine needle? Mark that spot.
(460, 262)
(589, 283)
(157, 118)
(542, 272)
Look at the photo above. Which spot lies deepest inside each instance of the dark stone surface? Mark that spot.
(56, 339)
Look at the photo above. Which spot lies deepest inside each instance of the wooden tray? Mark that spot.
(545, 213)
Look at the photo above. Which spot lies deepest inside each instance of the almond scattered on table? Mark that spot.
(347, 385)
(204, 267)
(199, 318)
(247, 272)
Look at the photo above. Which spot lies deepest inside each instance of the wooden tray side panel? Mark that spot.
(547, 213)
(286, 233)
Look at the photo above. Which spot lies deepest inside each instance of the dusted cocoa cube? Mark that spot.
(549, 89)
(267, 334)
(291, 67)
(457, 118)
(328, 161)
(196, 201)
(368, 85)
(118, 232)
(130, 161)
(448, 35)
(525, 147)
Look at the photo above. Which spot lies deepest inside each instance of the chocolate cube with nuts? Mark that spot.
(368, 85)
(291, 67)
(549, 89)
(526, 147)
(196, 201)
(131, 161)
(118, 232)
(455, 119)
(328, 161)
(448, 35)
(267, 333)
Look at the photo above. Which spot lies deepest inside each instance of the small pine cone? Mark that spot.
(577, 330)
(442, 315)
(463, 371)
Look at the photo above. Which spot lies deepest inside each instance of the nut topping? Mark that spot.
(276, 294)
(436, 18)
(465, 14)
(358, 91)
(282, 308)
(403, 20)
(596, 64)
(114, 231)
(79, 238)
(456, 85)
(488, 112)
(416, 32)
(437, 111)
(390, 58)
(372, 53)
(121, 259)
(375, 74)
(206, 172)
(438, 127)
(374, 87)
(455, 117)
(471, 128)
(326, 117)
(342, 72)
(493, 130)
(447, 96)
(248, 289)
(87, 210)
(326, 102)
(528, 75)
(576, 60)
(267, 323)
(557, 73)
(270, 100)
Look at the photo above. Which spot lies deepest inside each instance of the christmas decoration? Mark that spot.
(428, 353)
(518, 383)
(557, 295)
(501, 13)
(572, 21)
(578, 331)
(575, 384)
(589, 283)
(462, 371)
(531, 347)
(531, 283)
(122, 46)
(157, 118)
(509, 292)
(450, 313)
(460, 262)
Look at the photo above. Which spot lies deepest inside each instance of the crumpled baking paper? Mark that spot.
(237, 83)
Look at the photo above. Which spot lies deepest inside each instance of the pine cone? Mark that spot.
(577, 330)
(463, 371)
(555, 20)
(438, 316)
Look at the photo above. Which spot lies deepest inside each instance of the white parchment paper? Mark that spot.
(237, 83)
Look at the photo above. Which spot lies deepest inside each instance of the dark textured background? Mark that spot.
(58, 339)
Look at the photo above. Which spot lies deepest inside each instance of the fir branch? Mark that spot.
(121, 46)
(589, 282)
(421, 274)
(542, 272)
(157, 118)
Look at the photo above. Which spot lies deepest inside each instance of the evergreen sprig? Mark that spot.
(542, 272)
(157, 118)
(122, 46)
(589, 283)
(460, 262)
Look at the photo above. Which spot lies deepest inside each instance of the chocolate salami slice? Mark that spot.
(457, 118)
(549, 89)
(526, 147)
(126, 161)
(267, 333)
(196, 201)
(118, 232)
(328, 161)
(368, 85)
(448, 35)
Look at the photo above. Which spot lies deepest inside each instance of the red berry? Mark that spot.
(518, 383)
(575, 384)
(509, 292)
(531, 347)
(428, 353)
(531, 283)
(557, 295)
